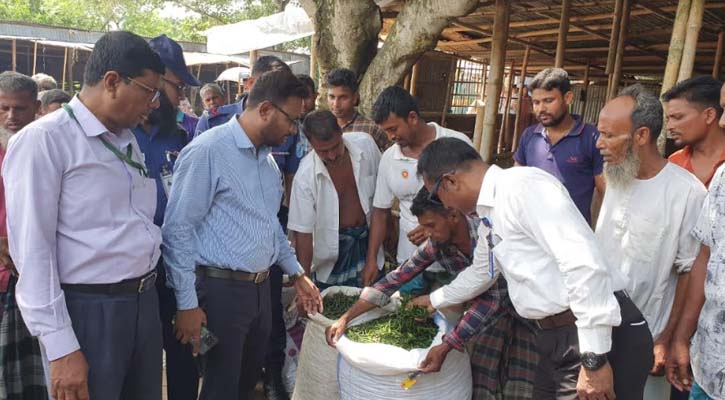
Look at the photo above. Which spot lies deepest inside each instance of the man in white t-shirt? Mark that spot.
(397, 113)
(331, 202)
(648, 211)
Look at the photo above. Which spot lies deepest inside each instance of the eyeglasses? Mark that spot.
(294, 121)
(433, 195)
(156, 94)
(180, 87)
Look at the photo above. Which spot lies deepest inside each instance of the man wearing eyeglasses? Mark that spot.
(81, 232)
(221, 235)
(593, 342)
(161, 138)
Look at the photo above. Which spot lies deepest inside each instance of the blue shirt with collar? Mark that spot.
(574, 159)
(223, 210)
(155, 146)
(217, 116)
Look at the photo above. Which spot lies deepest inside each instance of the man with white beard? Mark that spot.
(648, 211)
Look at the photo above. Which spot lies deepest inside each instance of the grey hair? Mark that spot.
(13, 82)
(551, 78)
(211, 87)
(647, 110)
(45, 81)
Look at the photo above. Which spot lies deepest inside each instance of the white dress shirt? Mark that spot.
(314, 206)
(76, 214)
(644, 230)
(398, 178)
(547, 253)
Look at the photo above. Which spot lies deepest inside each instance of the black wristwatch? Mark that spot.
(593, 361)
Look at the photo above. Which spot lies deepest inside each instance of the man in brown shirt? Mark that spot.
(342, 98)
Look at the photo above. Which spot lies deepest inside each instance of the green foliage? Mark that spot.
(337, 304)
(410, 328)
(144, 17)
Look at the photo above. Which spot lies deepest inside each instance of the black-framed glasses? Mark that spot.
(180, 87)
(294, 121)
(433, 195)
(156, 94)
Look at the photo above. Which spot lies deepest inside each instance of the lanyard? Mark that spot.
(127, 158)
(489, 239)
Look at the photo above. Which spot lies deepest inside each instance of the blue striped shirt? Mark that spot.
(222, 211)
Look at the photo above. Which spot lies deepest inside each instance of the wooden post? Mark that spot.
(585, 90)
(15, 55)
(520, 103)
(623, 27)
(253, 58)
(71, 63)
(616, 19)
(35, 56)
(481, 102)
(486, 140)
(414, 79)
(563, 32)
(485, 81)
(406, 83)
(198, 72)
(65, 61)
(313, 58)
(674, 56)
(229, 95)
(718, 56)
(504, 139)
(449, 90)
(694, 23)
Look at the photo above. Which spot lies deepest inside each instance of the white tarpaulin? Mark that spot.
(195, 58)
(292, 24)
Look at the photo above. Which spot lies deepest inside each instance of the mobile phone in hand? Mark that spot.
(207, 340)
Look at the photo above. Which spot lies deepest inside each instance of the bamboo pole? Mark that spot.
(718, 56)
(520, 103)
(674, 55)
(585, 90)
(198, 72)
(486, 139)
(253, 54)
(15, 55)
(406, 83)
(449, 90)
(414, 79)
(35, 56)
(694, 23)
(71, 63)
(504, 140)
(481, 102)
(563, 32)
(616, 19)
(313, 57)
(65, 61)
(623, 27)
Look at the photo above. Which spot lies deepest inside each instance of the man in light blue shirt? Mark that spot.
(221, 234)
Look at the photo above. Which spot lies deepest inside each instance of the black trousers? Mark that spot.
(120, 337)
(631, 358)
(182, 374)
(239, 314)
(274, 360)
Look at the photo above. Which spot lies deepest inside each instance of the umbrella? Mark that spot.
(234, 74)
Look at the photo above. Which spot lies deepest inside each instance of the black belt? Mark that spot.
(128, 286)
(220, 273)
(567, 318)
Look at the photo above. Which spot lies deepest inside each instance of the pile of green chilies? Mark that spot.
(409, 328)
(336, 304)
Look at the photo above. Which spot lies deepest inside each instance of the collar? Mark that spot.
(575, 130)
(488, 187)
(356, 155)
(241, 139)
(398, 153)
(350, 122)
(90, 125)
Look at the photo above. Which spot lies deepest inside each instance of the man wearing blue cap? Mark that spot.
(161, 138)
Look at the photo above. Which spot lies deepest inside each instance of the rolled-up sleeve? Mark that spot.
(688, 247)
(190, 200)
(33, 172)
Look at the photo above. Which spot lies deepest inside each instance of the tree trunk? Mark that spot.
(347, 32)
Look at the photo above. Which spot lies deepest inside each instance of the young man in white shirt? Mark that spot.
(397, 113)
(594, 342)
(331, 202)
(646, 217)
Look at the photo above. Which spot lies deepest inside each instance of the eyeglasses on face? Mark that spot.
(296, 123)
(155, 93)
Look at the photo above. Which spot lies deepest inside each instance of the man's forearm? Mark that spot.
(378, 228)
(694, 298)
(677, 307)
(303, 248)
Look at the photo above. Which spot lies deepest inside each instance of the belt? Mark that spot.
(562, 319)
(128, 286)
(220, 273)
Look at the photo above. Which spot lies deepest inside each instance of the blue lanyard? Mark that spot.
(489, 240)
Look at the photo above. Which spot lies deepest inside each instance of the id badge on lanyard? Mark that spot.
(167, 173)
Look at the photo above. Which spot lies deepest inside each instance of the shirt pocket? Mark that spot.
(642, 239)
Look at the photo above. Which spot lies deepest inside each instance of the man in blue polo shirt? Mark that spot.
(562, 144)
(160, 137)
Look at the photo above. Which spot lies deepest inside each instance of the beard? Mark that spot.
(555, 121)
(624, 173)
(5, 135)
(165, 115)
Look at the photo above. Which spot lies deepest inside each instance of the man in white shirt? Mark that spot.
(593, 341)
(397, 113)
(646, 217)
(331, 202)
(81, 230)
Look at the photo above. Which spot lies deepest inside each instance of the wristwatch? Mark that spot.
(593, 361)
(293, 278)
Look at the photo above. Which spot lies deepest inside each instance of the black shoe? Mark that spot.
(274, 388)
